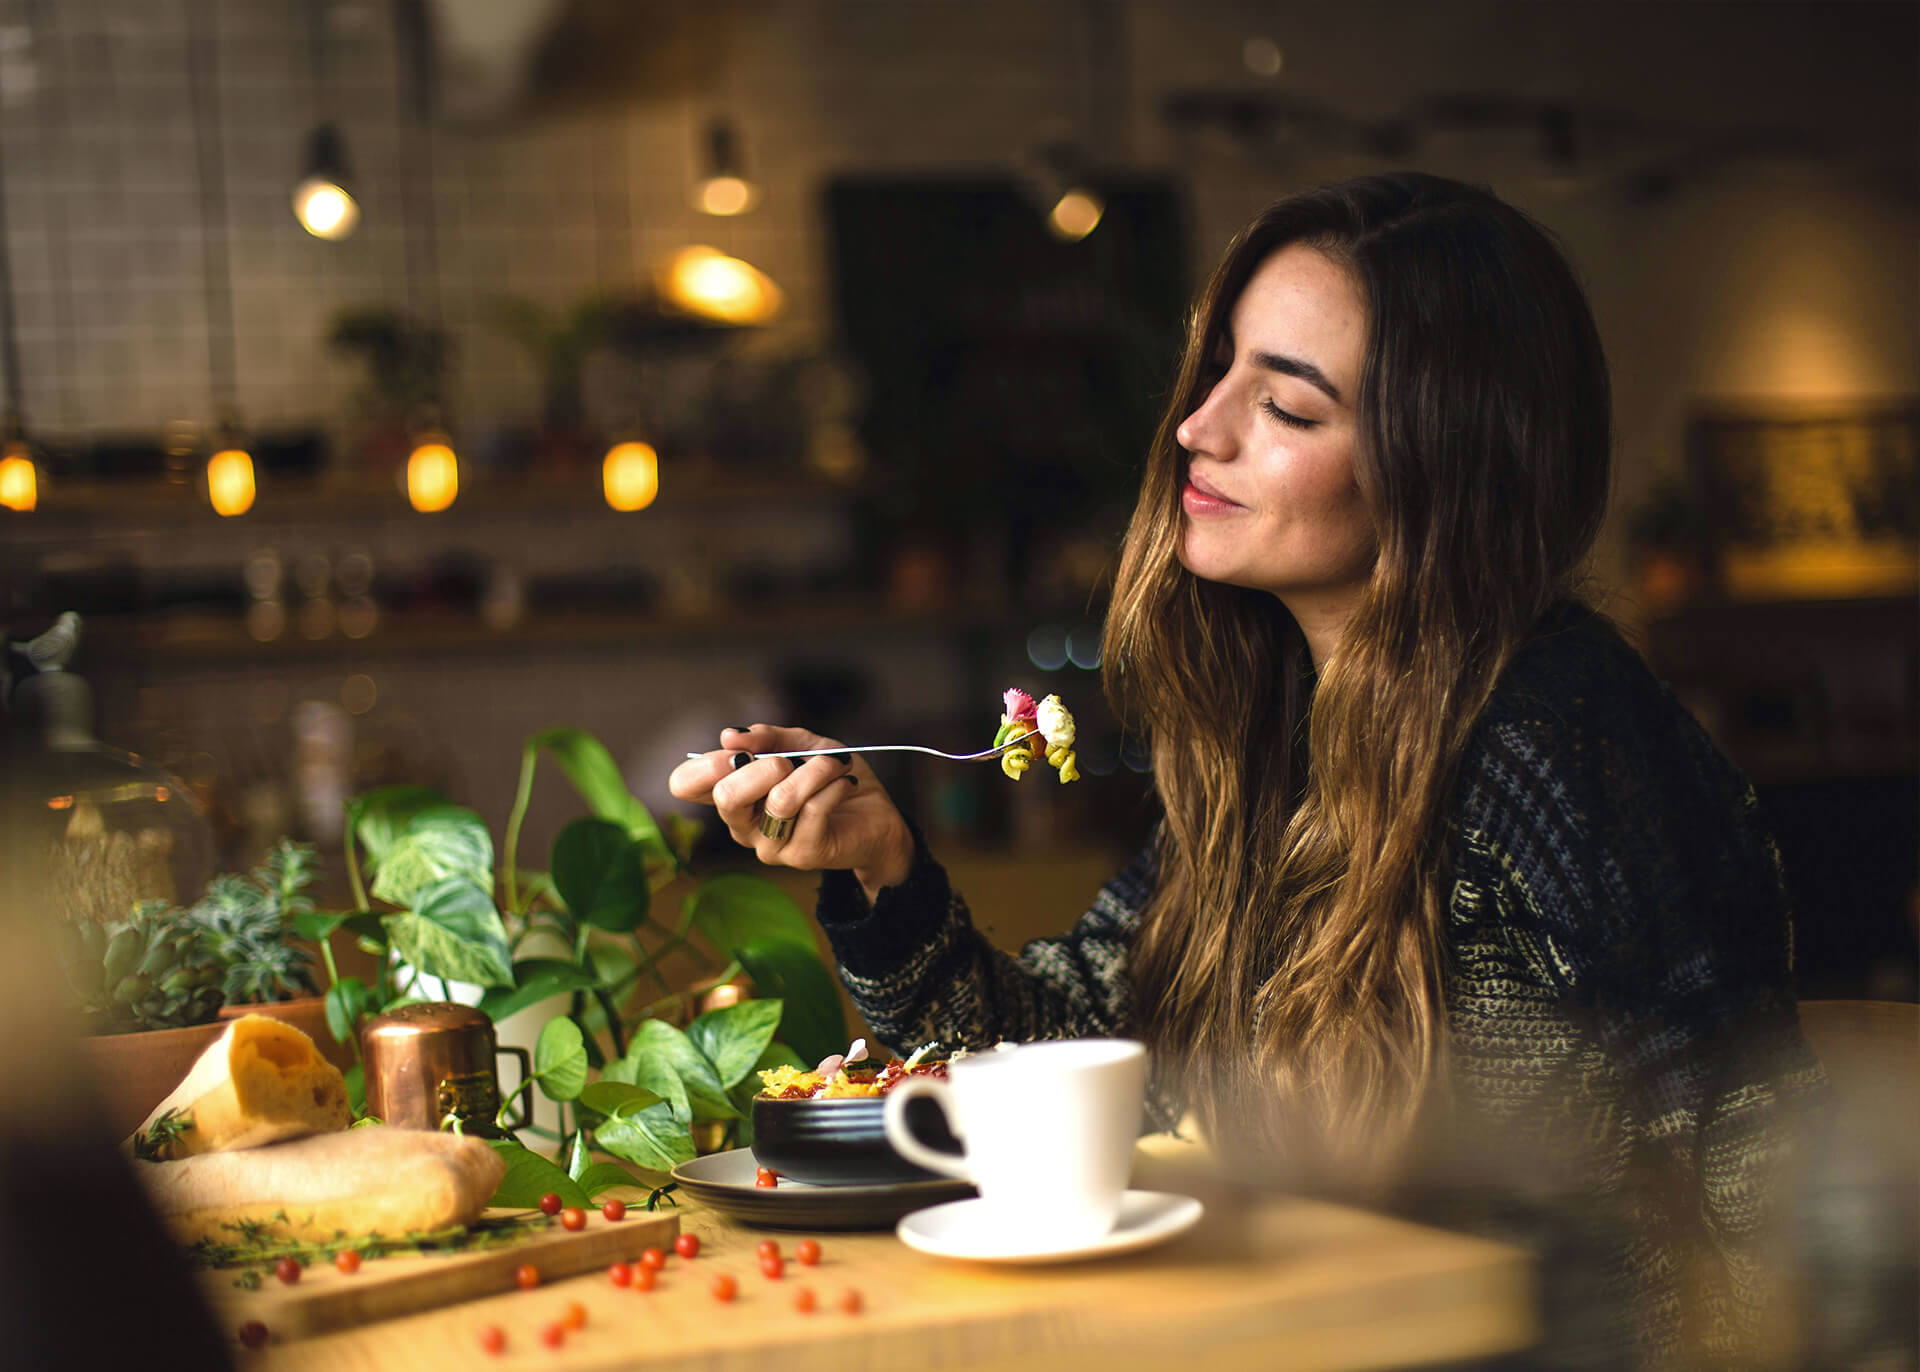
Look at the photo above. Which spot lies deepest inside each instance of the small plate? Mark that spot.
(965, 1229)
(725, 1181)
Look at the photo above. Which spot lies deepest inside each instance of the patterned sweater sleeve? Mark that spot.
(920, 972)
(1632, 850)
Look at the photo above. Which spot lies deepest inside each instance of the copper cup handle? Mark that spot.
(525, 1091)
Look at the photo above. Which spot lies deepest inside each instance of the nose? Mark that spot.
(1201, 431)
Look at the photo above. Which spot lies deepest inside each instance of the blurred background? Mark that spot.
(387, 381)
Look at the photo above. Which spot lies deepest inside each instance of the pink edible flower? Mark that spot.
(1020, 705)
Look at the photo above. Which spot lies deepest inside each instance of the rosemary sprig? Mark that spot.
(155, 1142)
(256, 1243)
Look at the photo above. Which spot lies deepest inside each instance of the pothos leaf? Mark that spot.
(441, 841)
(660, 1051)
(577, 1158)
(529, 1177)
(453, 931)
(732, 1038)
(602, 1177)
(651, 1138)
(560, 1059)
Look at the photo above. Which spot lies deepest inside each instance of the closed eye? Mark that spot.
(1291, 420)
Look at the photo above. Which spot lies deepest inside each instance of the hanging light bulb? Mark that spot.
(19, 478)
(230, 480)
(630, 476)
(706, 283)
(433, 474)
(724, 189)
(1075, 214)
(321, 202)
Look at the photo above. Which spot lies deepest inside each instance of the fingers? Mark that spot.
(695, 779)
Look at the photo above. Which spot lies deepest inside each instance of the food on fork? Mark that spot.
(1049, 723)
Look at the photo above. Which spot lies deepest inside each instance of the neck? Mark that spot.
(1322, 618)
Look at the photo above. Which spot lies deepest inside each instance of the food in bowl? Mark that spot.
(823, 1126)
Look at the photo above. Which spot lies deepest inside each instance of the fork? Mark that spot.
(882, 748)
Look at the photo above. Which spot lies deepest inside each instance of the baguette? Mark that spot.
(260, 1082)
(374, 1179)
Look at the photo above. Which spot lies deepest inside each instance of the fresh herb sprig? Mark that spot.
(256, 1242)
(155, 1142)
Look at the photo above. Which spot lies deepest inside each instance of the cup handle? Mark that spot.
(900, 1132)
(525, 1091)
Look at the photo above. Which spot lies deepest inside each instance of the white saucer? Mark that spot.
(965, 1229)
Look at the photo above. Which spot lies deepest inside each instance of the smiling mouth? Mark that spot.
(1201, 492)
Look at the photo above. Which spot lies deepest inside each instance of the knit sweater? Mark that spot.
(1618, 989)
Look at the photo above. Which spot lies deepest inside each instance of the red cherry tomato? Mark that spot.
(804, 1301)
(725, 1288)
(769, 1248)
(573, 1218)
(253, 1334)
(765, 1176)
(655, 1258)
(687, 1245)
(850, 1301)
(347, 1260)
(576, 1316)
(493, 1339)
(645, 1277)
(808, 1252)
(550, 1204)
(288, 1270)
(526, 1276)
(620, 1274)
(615, 1210)
(554, 1334)
(773, 1267)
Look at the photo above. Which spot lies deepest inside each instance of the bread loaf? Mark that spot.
(259, 1082)
(369, 1180)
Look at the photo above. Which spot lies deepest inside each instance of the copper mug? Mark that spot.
(432, 1063)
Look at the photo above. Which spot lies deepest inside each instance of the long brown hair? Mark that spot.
(1290, 964)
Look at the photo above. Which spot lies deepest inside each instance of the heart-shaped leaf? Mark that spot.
(661, 1053)
(440, 841)
(740, 908)
(453, 932)
(733, 1038)
(346, 1002)
(596, 776)
(602, 1177)
(560, 1059)
(378, 818)
(601, 874)
(613, 1096)
(813, 1021)
(650, 1138)
(529, 1177)
(534, 980)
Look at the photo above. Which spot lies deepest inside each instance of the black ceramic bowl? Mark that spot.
(842, 1142)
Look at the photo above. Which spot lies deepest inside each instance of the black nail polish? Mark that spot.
(851, 779)
(739, 760)
(738, 729)
(845, 759)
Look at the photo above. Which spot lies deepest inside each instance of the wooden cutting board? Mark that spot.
(326, 1299)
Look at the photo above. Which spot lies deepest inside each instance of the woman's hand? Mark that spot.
(805, 813)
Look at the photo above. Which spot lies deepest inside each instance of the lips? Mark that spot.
(1201, 496)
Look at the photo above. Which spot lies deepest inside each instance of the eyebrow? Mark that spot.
(1298, 367)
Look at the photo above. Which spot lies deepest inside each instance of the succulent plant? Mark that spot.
(149, 971)
(246, 923)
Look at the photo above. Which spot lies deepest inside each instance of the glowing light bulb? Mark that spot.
(324, 208)
(631, 476)
(230, 481)
(433, 475)
(725, 195)
(19, 481)
(1075, 215)
(706, 282)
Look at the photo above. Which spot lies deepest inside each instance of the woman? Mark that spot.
(1441, 864)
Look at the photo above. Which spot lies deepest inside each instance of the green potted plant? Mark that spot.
(632, 1072)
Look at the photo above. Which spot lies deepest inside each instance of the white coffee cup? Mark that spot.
(1048, 1131)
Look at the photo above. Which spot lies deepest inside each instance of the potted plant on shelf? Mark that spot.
(632, 1072)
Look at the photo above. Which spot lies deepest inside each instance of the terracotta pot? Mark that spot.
(133, 1072)
(309, 1016)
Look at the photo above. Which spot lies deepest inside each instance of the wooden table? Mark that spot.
(1261, 1282)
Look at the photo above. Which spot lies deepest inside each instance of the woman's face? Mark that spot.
(1270, 501)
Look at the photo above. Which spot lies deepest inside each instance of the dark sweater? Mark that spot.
(1622, 1030)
